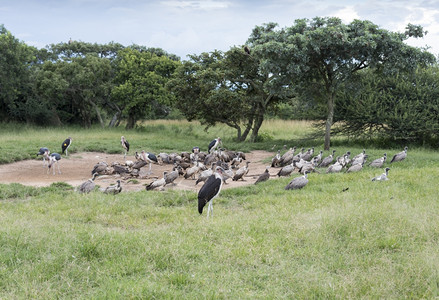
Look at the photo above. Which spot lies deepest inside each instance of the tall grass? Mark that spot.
(375, 240)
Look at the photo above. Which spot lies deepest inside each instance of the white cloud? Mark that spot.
(201, 5)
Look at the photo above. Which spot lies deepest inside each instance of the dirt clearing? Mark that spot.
(76, 168)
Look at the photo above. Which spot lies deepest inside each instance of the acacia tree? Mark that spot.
(228, 88)
(323, 53)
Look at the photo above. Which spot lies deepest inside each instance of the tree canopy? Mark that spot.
(323, 53)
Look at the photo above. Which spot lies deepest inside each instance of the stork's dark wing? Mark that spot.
(212, 143)
(152, 157)
(65, 144)
(127, 145)
(209, 190)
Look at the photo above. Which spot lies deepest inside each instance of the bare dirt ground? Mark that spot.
(76, 168)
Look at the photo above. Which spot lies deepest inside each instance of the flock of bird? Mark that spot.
(217, 165)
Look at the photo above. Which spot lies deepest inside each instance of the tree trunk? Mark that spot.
(257, 125)
(130, 122)
(97, 113)
(114, 119)
(329, 121)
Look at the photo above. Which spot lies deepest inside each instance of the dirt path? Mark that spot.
(76, 169)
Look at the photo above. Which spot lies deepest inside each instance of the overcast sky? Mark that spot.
(192, 27)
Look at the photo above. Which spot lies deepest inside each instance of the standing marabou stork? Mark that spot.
(89, 185)
(210, 190)
(213, 145)
(45, 153)
(150, 158)
(54, 158)
(65, 145)
(125, 146)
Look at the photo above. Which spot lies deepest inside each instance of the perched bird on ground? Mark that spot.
(157, 183)
(383, 176)
(45, 153)
(335, 167)
(318, 158)
(171, 176)
(264, 176)
(150, 158)
(210, 190)
(275, 161)
(355, 167)
(203, 176)
(65, 145)
(192, 171)
(125, 146)
(113, 189)
(379, 162)
(287, 170)
(89, 185)
(213, 145)
(99, 167)
(400, 156)
(327, 160)
(241, 172)
(54, 158)
(298, 182)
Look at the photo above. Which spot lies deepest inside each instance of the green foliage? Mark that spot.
(140, 83)
(403, 107)
(321, 54)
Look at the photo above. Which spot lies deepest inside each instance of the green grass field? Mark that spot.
(376, 240)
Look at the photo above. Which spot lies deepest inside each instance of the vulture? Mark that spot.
(113, 189)
(383, 176)
(241, 172)
(298, 182)
(264, 176)
(379, 162)
(400, 156)
(327, 160)
(89, 185)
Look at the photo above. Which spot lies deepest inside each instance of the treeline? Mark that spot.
(362, 78)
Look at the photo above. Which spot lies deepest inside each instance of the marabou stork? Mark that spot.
(383, 176)
(213, 145)
(45, 153)
(54, 158)
(65, 145)
(210, 190)
(125, 146)
(150, 158)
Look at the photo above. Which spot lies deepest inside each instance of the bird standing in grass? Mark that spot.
(65, 145)
(400, 156)
(264, 176)
(383, 176)
(379, 162)
(210, 190)
(125, 146)
(298, 182)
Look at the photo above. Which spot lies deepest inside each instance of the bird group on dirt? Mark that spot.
(215, 166)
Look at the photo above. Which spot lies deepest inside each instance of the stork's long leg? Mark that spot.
(59, 171)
